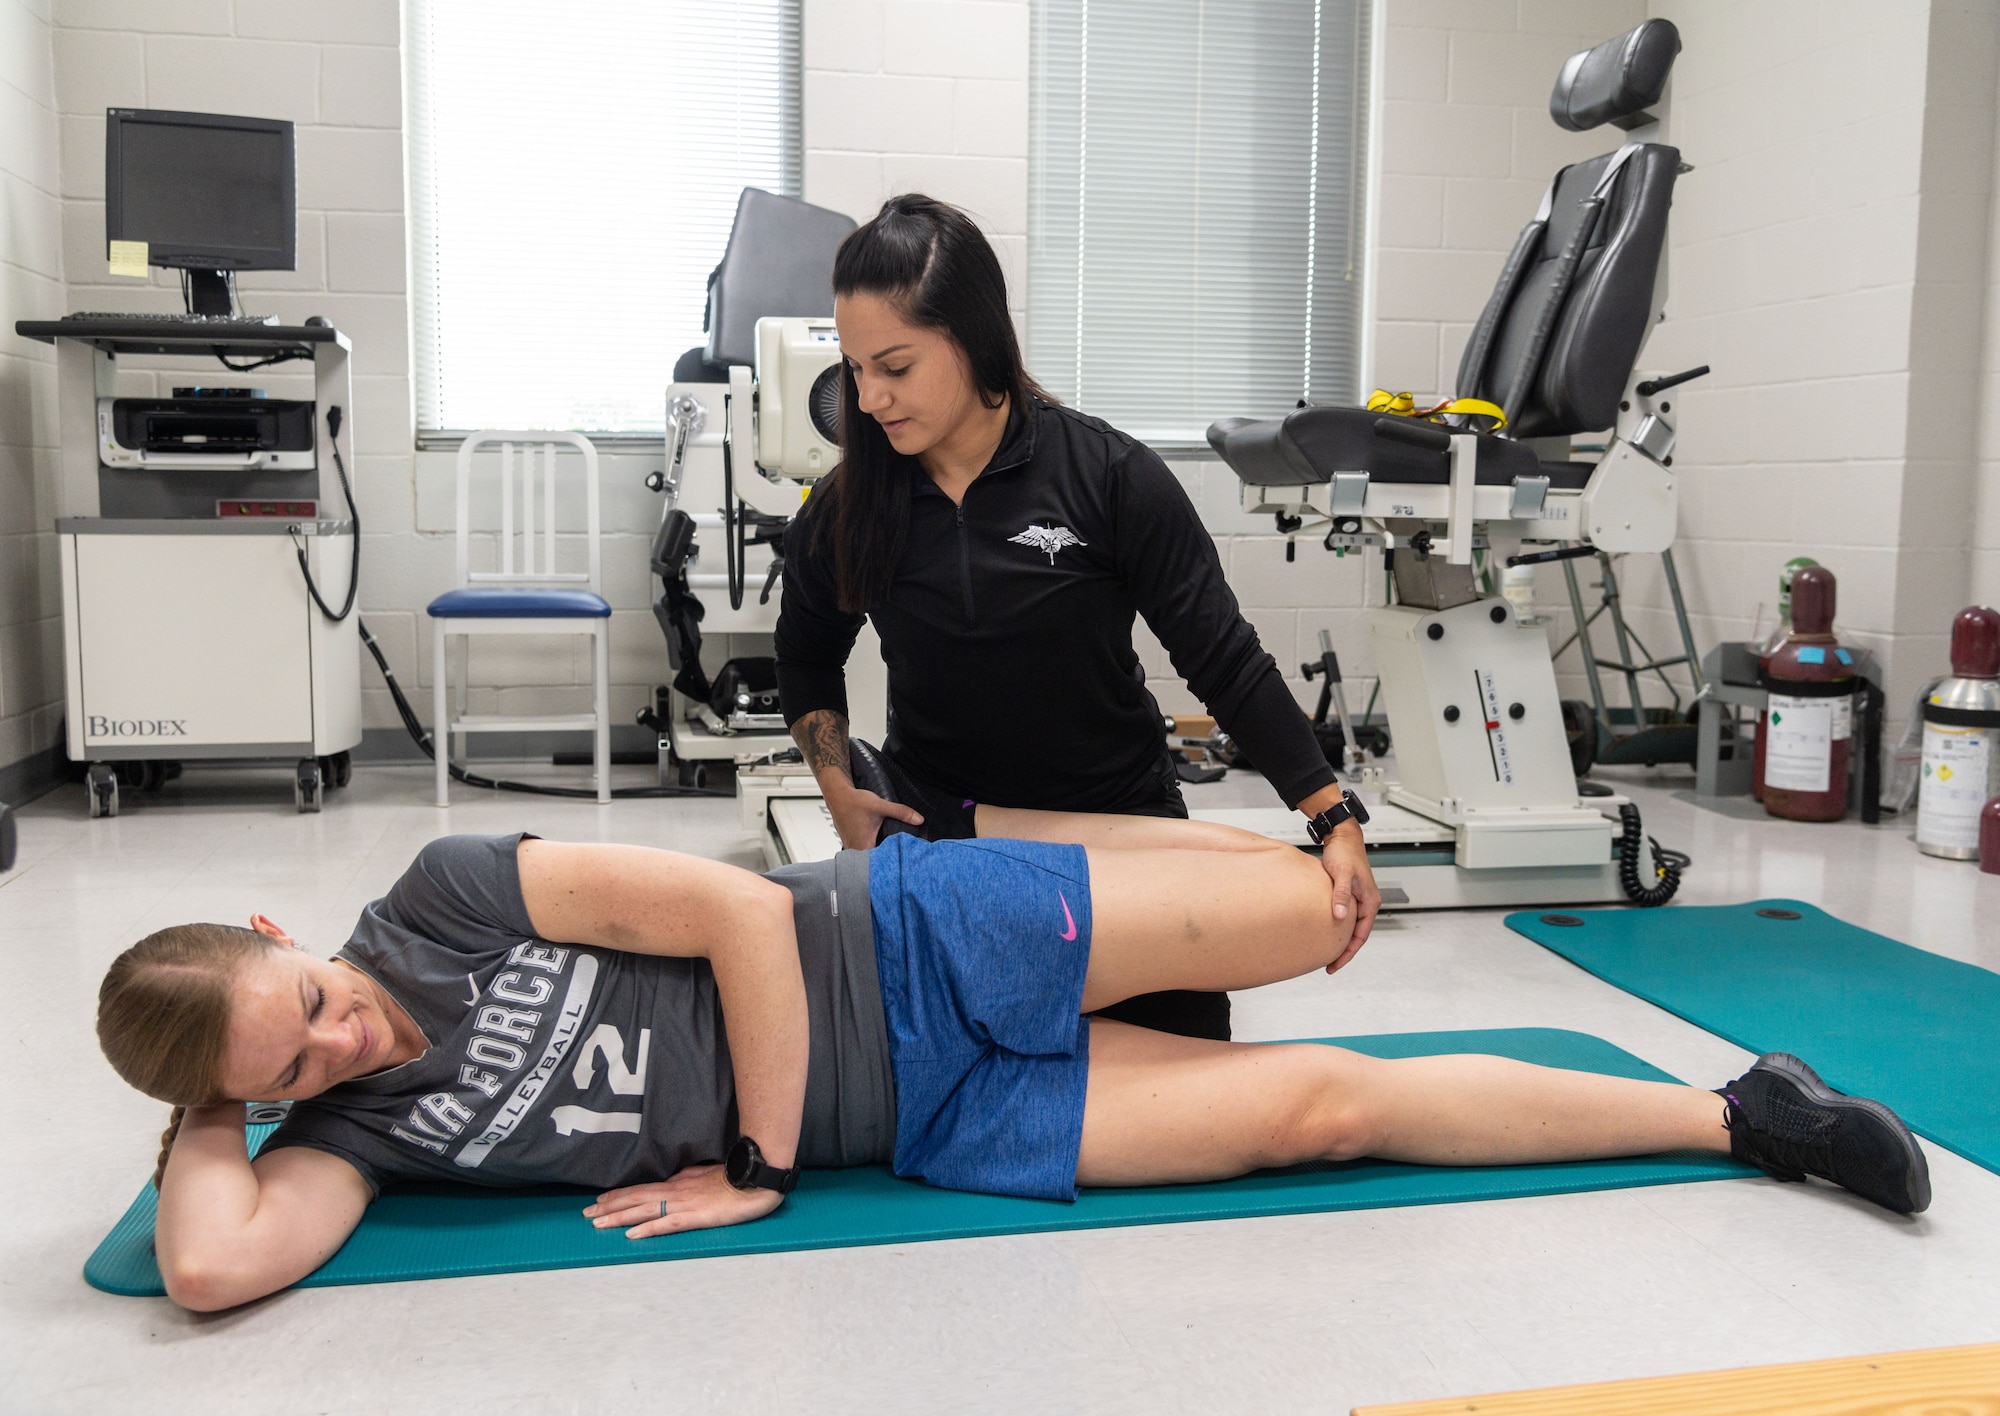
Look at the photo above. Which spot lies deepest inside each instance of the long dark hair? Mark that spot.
(928, 260)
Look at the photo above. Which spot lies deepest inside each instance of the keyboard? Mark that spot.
(175, 319)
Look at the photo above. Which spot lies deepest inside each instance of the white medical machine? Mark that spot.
(751, 424)
(188, 631)
(1487, 808)
(199, 520)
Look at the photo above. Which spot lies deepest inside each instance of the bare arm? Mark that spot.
(857, 814)
(658, 902)
(822, 739)
(229, 1230)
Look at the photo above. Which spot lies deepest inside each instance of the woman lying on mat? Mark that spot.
(517, 1011)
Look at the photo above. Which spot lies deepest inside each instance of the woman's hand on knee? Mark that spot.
(1355, 896)
(699, 1197)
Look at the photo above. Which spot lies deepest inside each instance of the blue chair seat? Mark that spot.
(511, 602)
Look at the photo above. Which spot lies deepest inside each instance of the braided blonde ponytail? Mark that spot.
(167, 1136)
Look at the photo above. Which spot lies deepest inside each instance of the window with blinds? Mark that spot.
(573, 172)
(1197, 174)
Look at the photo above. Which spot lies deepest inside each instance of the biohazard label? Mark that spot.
(1798, 747)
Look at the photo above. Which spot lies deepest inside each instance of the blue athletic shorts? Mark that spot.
(981, 947)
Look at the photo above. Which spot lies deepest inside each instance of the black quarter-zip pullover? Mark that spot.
(1008, 628)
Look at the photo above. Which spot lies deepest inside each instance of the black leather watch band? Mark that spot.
(1348, 808)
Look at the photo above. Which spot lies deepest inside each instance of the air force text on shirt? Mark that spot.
(516, 1020)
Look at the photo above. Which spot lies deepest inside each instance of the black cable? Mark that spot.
(288, 356)
(733, 551)
(424, 743)
(1667, 865)
(411, 722)
(298, 541)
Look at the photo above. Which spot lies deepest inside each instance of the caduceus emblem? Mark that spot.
(1048, 539)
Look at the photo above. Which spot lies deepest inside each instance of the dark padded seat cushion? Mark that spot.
(525, 602)
(1307, 447)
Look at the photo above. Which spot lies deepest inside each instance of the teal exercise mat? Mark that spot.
(451, 1232)
(1875, 1018)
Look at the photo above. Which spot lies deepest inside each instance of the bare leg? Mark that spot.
(1212, 920)
(1102, 831)
(1163, 1110)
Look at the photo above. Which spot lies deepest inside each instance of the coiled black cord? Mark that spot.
(1667, 865)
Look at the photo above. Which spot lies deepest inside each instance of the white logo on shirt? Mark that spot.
(1048, 540)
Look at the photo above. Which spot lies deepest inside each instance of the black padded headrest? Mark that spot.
(779, 262)
(1617, 79)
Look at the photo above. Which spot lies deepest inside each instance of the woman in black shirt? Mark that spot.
(1002, 545)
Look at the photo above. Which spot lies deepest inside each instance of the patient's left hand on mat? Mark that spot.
(1345, 857)
(699, 1197)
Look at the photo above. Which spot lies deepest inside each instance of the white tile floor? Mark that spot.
(1312, 1313)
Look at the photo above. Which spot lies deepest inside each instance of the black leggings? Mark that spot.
(947, 818)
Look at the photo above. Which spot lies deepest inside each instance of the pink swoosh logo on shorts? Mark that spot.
(1070, 932)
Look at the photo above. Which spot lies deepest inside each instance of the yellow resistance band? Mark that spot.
(1403, 405)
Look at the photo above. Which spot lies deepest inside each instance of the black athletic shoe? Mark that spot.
(1789, 1124)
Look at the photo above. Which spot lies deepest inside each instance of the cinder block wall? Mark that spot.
(31, 287)
(335, 71)
(1831, 262)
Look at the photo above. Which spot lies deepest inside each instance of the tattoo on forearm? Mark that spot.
(822, 740)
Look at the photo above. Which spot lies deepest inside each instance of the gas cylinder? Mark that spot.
(1810, 731)
(1961, 768)
(1764, 652)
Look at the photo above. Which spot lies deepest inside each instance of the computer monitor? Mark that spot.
(206, 193)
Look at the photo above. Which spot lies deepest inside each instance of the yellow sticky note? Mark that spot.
(129, 258)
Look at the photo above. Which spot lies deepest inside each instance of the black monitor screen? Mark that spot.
(203, 191)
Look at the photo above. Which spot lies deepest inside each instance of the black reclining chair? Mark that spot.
(1554, 350)
(1556, 343)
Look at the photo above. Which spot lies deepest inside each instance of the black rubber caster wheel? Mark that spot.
(337, 769)
(308, 785)
(692, 774)
(101, 787)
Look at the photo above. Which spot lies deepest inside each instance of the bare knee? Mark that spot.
(1326, 1115)
(1311, 894)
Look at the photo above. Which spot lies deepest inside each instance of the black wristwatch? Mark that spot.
(1348, 808)
(744, 1168)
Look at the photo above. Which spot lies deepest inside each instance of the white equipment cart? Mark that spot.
(188, 630)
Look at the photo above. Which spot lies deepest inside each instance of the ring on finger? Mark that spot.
(663, 1209)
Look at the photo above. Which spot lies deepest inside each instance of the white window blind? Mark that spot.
(1197, 172)
(573, 172)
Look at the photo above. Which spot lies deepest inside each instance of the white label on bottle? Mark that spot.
(1798, 751)
(1843, 716)
(1953, 785)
